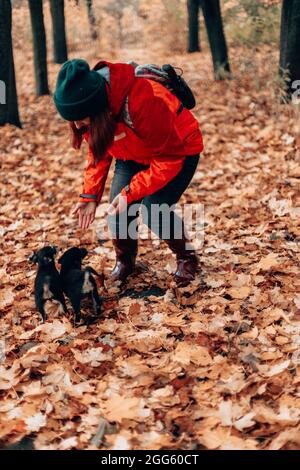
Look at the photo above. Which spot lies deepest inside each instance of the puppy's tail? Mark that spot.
(91, 270)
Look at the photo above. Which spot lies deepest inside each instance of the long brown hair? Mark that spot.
(101, 133)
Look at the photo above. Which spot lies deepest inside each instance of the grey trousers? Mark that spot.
(157, 210)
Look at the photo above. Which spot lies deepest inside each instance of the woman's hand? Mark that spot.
(86, 212)
(119, 204)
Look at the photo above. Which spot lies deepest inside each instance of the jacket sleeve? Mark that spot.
(161, 171)
(95, 178)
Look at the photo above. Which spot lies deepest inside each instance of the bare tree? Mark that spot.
(193, 7)
(9, 113)
(116, 9)
(92, 19)
(290, 46)
(39, 47)
(60, 53)
(214, 26)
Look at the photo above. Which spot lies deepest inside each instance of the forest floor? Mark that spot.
(212, 366)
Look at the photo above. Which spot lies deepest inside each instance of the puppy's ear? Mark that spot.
(33, 258)
(83, 252)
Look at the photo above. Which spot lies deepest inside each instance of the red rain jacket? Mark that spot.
(161, 139)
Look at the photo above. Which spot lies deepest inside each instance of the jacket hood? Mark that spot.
(122, 78)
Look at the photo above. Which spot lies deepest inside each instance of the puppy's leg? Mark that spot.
(75, 300)
(92, 271)
(60, 298)
(40, 302)
(96, 299)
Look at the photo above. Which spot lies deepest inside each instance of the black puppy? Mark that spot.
(77, 283)
(47, 283)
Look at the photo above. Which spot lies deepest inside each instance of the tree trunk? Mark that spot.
(290, 46)
(39, 47)
(60, 53)
(193, 7)
(92, 19)
(9, 113)
(215, 32)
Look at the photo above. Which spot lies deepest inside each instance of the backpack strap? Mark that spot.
(126, 114)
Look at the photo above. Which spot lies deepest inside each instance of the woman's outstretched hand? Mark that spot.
(86, 213)
(117, 206)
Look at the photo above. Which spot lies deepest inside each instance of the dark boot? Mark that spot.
(126, 252)
(187, 261)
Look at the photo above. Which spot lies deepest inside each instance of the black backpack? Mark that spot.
(167, 76)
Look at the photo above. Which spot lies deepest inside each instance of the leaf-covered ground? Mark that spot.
(212, 366)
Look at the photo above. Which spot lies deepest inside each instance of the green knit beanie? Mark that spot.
(80, 92)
